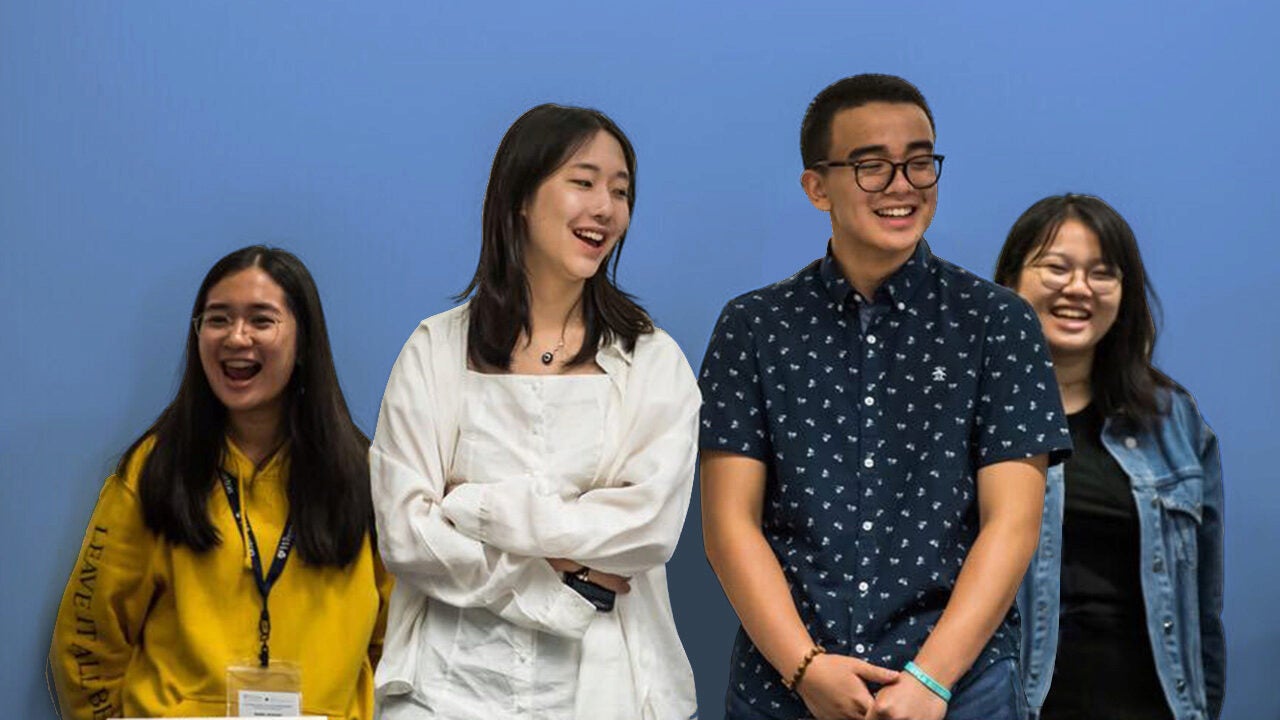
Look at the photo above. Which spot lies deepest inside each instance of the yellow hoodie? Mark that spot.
(148, 629)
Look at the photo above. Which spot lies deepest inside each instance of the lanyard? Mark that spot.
(267, 581)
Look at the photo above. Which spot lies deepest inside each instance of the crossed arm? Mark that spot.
(483, 544)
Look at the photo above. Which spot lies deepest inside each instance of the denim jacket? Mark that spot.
(1176, 476)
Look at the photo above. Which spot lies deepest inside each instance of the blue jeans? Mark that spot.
(995, 694)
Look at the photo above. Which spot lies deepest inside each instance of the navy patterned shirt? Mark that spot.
(872, 418)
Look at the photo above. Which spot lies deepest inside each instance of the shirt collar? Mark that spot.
(899, 287)
(615, 360)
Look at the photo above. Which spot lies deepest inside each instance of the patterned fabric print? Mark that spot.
(872, 431)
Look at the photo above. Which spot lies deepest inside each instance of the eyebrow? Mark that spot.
(621, 174)
(252, 306)
(1059, 255)
(884, 150)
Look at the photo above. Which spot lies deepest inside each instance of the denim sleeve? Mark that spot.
(1018, 411)
(1212, 639)
(733, 405)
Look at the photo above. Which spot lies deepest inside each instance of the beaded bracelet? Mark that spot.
(934, 686)
(814, 652)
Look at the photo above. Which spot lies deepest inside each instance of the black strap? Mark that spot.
(264, 581)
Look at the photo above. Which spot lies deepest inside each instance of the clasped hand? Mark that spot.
(834, 687)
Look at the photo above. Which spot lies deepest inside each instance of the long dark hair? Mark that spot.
(535, 146)
(328, 484)
(1125, 382)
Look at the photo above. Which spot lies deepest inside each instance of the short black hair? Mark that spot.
(851, 92)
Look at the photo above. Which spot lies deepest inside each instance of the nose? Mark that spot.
(239, 335)
(602, 203)
(1078, 284)
(898, 182)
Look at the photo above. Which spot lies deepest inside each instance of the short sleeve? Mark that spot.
(733, 405)
(1019, 410)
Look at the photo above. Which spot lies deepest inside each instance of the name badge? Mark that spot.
(272, 691)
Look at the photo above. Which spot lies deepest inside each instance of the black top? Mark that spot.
(1104, 666)
(872, 437)
(1100, 534)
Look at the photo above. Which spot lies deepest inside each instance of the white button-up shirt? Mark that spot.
(597, 469)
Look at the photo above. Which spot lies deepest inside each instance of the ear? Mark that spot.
(815, 187)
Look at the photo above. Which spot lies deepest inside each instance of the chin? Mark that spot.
(582, 272)
(897, 242)
(1071, 347)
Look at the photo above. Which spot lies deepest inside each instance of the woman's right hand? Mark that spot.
(834, 687)
(616, 583)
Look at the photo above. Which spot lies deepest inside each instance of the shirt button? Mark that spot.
(1181, 685)
(871, 339)
(1157, 566)
(1131, 442)
(867, 527)
(1168, 627)
(869, 463)
(868, 401)
(860, 648)
(863, 586)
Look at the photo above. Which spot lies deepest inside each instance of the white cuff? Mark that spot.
(466, 507)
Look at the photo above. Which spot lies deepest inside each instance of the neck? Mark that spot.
(1074, 375)
(554, 304)
(866, 268)
(256, 432)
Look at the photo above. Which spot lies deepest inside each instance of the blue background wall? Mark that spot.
(140, 141)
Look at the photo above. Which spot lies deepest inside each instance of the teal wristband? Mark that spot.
(934, 686)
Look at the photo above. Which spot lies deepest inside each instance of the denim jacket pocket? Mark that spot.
(1182, 506)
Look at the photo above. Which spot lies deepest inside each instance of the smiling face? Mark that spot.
(248, 343)
(1075, 318)
(886, 225)
(579, 212)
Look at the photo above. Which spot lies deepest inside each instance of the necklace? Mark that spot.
(549, 356)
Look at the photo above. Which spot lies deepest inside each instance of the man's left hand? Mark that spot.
(906, 699)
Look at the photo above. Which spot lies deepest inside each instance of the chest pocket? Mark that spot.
(1181, 507)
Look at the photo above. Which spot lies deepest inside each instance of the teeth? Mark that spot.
(1071, 314)
(592, 235)
(895, 212)
(240, 364)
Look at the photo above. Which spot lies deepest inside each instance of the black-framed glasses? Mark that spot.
(1102, 279)
(875, 175)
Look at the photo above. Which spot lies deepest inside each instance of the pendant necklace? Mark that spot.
(549, 356)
